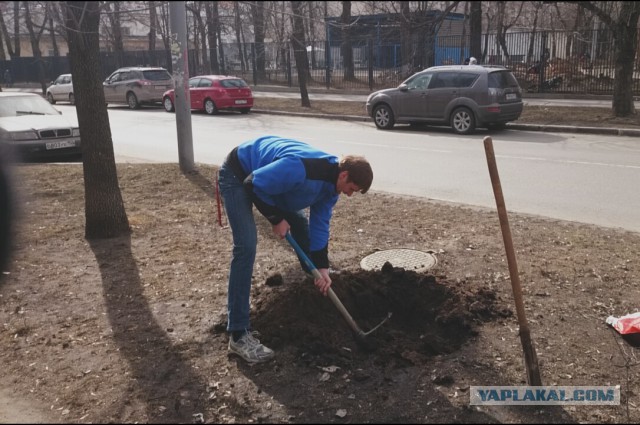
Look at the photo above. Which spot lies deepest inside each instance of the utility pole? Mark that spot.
(180, 62)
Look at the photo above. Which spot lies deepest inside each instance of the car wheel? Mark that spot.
(168, 104)
(245, 110)
(51, 99)
(210, 107)
(463, 121)
(132, 101)
(383, 117)
(72, 99)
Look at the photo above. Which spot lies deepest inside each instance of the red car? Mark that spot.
(213, 93)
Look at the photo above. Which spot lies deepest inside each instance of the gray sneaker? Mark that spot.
(249, 348)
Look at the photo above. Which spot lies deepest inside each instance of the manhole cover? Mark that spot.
(408, 259)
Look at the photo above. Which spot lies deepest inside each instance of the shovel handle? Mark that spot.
(332, 295)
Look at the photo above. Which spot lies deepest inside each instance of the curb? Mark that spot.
(312, 115)
(630, 132)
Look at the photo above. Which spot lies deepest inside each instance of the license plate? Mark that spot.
(160, 87)
(511, 96)
(241, 102)
(60, 145)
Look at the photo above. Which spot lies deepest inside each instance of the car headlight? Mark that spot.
(75, 132)
(24, 135)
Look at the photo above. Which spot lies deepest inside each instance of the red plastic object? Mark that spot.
(628, 324)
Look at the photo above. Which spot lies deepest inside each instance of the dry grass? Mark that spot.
(549, 115)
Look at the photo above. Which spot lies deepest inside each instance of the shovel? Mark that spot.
(359, 334)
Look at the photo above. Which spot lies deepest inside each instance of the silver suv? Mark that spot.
(136, 86)
(462, 96)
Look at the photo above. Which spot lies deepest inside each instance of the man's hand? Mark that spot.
(324, 283)
(281, 229)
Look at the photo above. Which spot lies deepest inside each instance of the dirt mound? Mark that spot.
(428, 316)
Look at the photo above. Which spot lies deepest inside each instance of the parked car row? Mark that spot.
(147, 86)
(138, 86)
(461, 96)
(34, 129)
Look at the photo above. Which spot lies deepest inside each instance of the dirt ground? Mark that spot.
(131, 330)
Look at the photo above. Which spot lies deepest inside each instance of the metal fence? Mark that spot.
(550, 62)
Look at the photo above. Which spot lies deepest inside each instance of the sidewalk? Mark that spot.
(331, 95)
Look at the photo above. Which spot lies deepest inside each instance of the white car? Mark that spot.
(61, 90)
(36, 130)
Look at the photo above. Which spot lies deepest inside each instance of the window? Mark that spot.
(236, 83)
(193, 82)
(156, 75)
(502, 79)
(205, 82)
(466, 80)
(420, 82)
(443, 80)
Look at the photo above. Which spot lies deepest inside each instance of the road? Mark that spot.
(579, 177)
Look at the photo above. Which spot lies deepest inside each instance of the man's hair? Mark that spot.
(359, 170)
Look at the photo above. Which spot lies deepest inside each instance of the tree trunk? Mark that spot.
(104, 208)
(300, 52)
(35, 46)
(16, 29)
(116, 31)
(54, 43)
(502, 30)
(153, 22)
(625, 33)
(3, 57)
(238, 28)
(532, 39)
(257, 10)
(406, 39)
(475, 28)
(7, 38)
(463, 41)
(206, 66)
(165, 35)
(347, 48)
(626, 46)
(211, 12)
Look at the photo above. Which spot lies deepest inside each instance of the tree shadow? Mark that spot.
(400, 394)
(162, 378)
(207, 185)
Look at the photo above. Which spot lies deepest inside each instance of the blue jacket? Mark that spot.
(288, 175)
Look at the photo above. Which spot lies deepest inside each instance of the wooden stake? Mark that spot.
(530, 357)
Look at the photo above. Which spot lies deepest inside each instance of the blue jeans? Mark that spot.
(239, 209)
